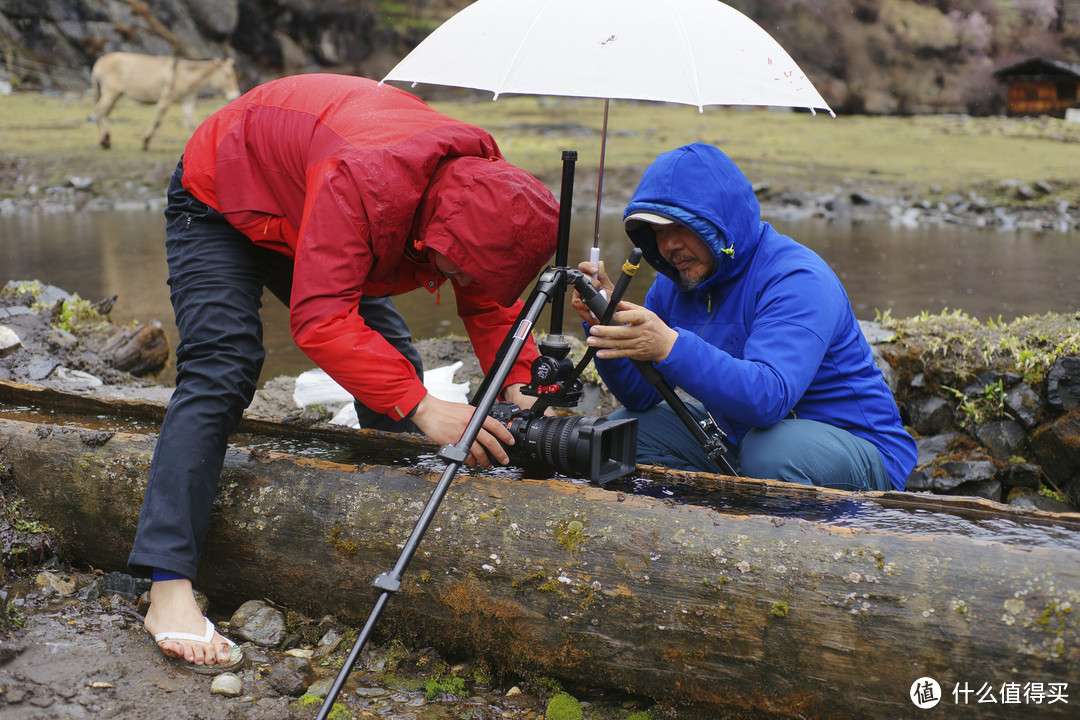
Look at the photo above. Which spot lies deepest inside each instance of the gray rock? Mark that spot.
(321, 688)
(91, 592)
(875, 332)
(886, 369)
(1055, 446)
(1030, 499)
(930, 415)
(59, 339)
(371, 692)
(118, 583)
(1072, 491)
(9, 341)
(291, 676)
(1024, 404)
(260, 623)
(986, 379)
(328, 643)
(920, 481)
(951, 475)
(1063, 384)
(989, 489)
(76, 379)
(1002, 438)
(39, 368)
(50, 295)
(932, 447)
(1024, 475)
(217, 18)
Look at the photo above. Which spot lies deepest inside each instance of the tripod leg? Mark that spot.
(554, 279)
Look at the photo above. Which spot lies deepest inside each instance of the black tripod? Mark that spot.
(555, 382)
(550, 287)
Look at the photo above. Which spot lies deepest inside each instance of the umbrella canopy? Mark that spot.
(694, 52)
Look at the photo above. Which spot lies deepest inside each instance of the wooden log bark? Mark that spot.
(748, 608)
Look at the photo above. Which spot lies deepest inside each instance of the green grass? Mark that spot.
(788, 150)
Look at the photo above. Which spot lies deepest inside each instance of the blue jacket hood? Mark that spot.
(770, 335)
(701, 188)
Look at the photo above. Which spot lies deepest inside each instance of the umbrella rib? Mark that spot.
(684, 37)
(517, 52)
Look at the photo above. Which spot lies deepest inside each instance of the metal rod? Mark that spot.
(600, 186)
(562, 247)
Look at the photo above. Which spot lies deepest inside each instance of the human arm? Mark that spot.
(752, 358)
(619, 375)
(636, 333)
(445, 422)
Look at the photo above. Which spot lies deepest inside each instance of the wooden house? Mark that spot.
(1041, 87)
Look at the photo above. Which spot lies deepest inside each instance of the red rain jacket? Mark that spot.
(354, 181)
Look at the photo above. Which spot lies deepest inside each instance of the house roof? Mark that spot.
(1038, 66)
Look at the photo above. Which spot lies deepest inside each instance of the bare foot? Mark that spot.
(173, 609)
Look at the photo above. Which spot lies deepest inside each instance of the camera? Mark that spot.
(595, 448)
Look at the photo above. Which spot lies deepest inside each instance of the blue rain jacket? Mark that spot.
(770, 334)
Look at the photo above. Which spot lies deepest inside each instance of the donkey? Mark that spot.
(151, 79)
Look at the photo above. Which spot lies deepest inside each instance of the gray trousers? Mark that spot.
(217, 277)
(798, 451)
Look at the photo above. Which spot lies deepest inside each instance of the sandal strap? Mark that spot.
(192, 637)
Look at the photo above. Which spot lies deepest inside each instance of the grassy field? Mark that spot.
(46, 138)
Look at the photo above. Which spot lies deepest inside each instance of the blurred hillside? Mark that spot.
(865, 56)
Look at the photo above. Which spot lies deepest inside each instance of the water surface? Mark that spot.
(984, 272)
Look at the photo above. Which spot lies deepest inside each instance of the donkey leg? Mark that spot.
(104, 107)
(162, 106)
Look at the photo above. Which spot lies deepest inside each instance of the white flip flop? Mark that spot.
(236, 657)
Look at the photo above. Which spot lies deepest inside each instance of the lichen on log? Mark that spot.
(701, 606)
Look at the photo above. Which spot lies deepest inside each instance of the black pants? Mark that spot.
(216, 279)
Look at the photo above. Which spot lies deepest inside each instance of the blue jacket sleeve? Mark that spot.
(779, 335)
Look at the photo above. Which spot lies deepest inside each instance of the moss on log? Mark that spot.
(785, 601)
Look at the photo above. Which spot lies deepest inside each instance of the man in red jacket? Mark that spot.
(334, 193)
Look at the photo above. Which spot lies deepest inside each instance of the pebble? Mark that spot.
(260, 623)
(371, 692)
(61, 586)
(226, 684)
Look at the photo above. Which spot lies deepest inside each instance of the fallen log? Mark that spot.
(743, 596)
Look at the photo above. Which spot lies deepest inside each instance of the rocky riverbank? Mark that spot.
(1007, 205)
(994, 408)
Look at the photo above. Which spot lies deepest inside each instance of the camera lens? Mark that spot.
(595, 448)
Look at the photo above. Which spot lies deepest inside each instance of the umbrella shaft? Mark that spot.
(600, 180)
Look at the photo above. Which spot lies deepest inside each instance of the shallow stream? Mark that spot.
(986, 273)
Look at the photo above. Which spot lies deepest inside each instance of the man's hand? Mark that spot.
(639, 334)
(600, 282)
(445, 422)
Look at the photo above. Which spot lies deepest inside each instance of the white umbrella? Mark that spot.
(694, 52)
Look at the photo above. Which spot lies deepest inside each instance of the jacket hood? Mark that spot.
(495, 221)
(700, 187)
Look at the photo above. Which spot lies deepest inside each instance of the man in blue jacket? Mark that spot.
(753, 326)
